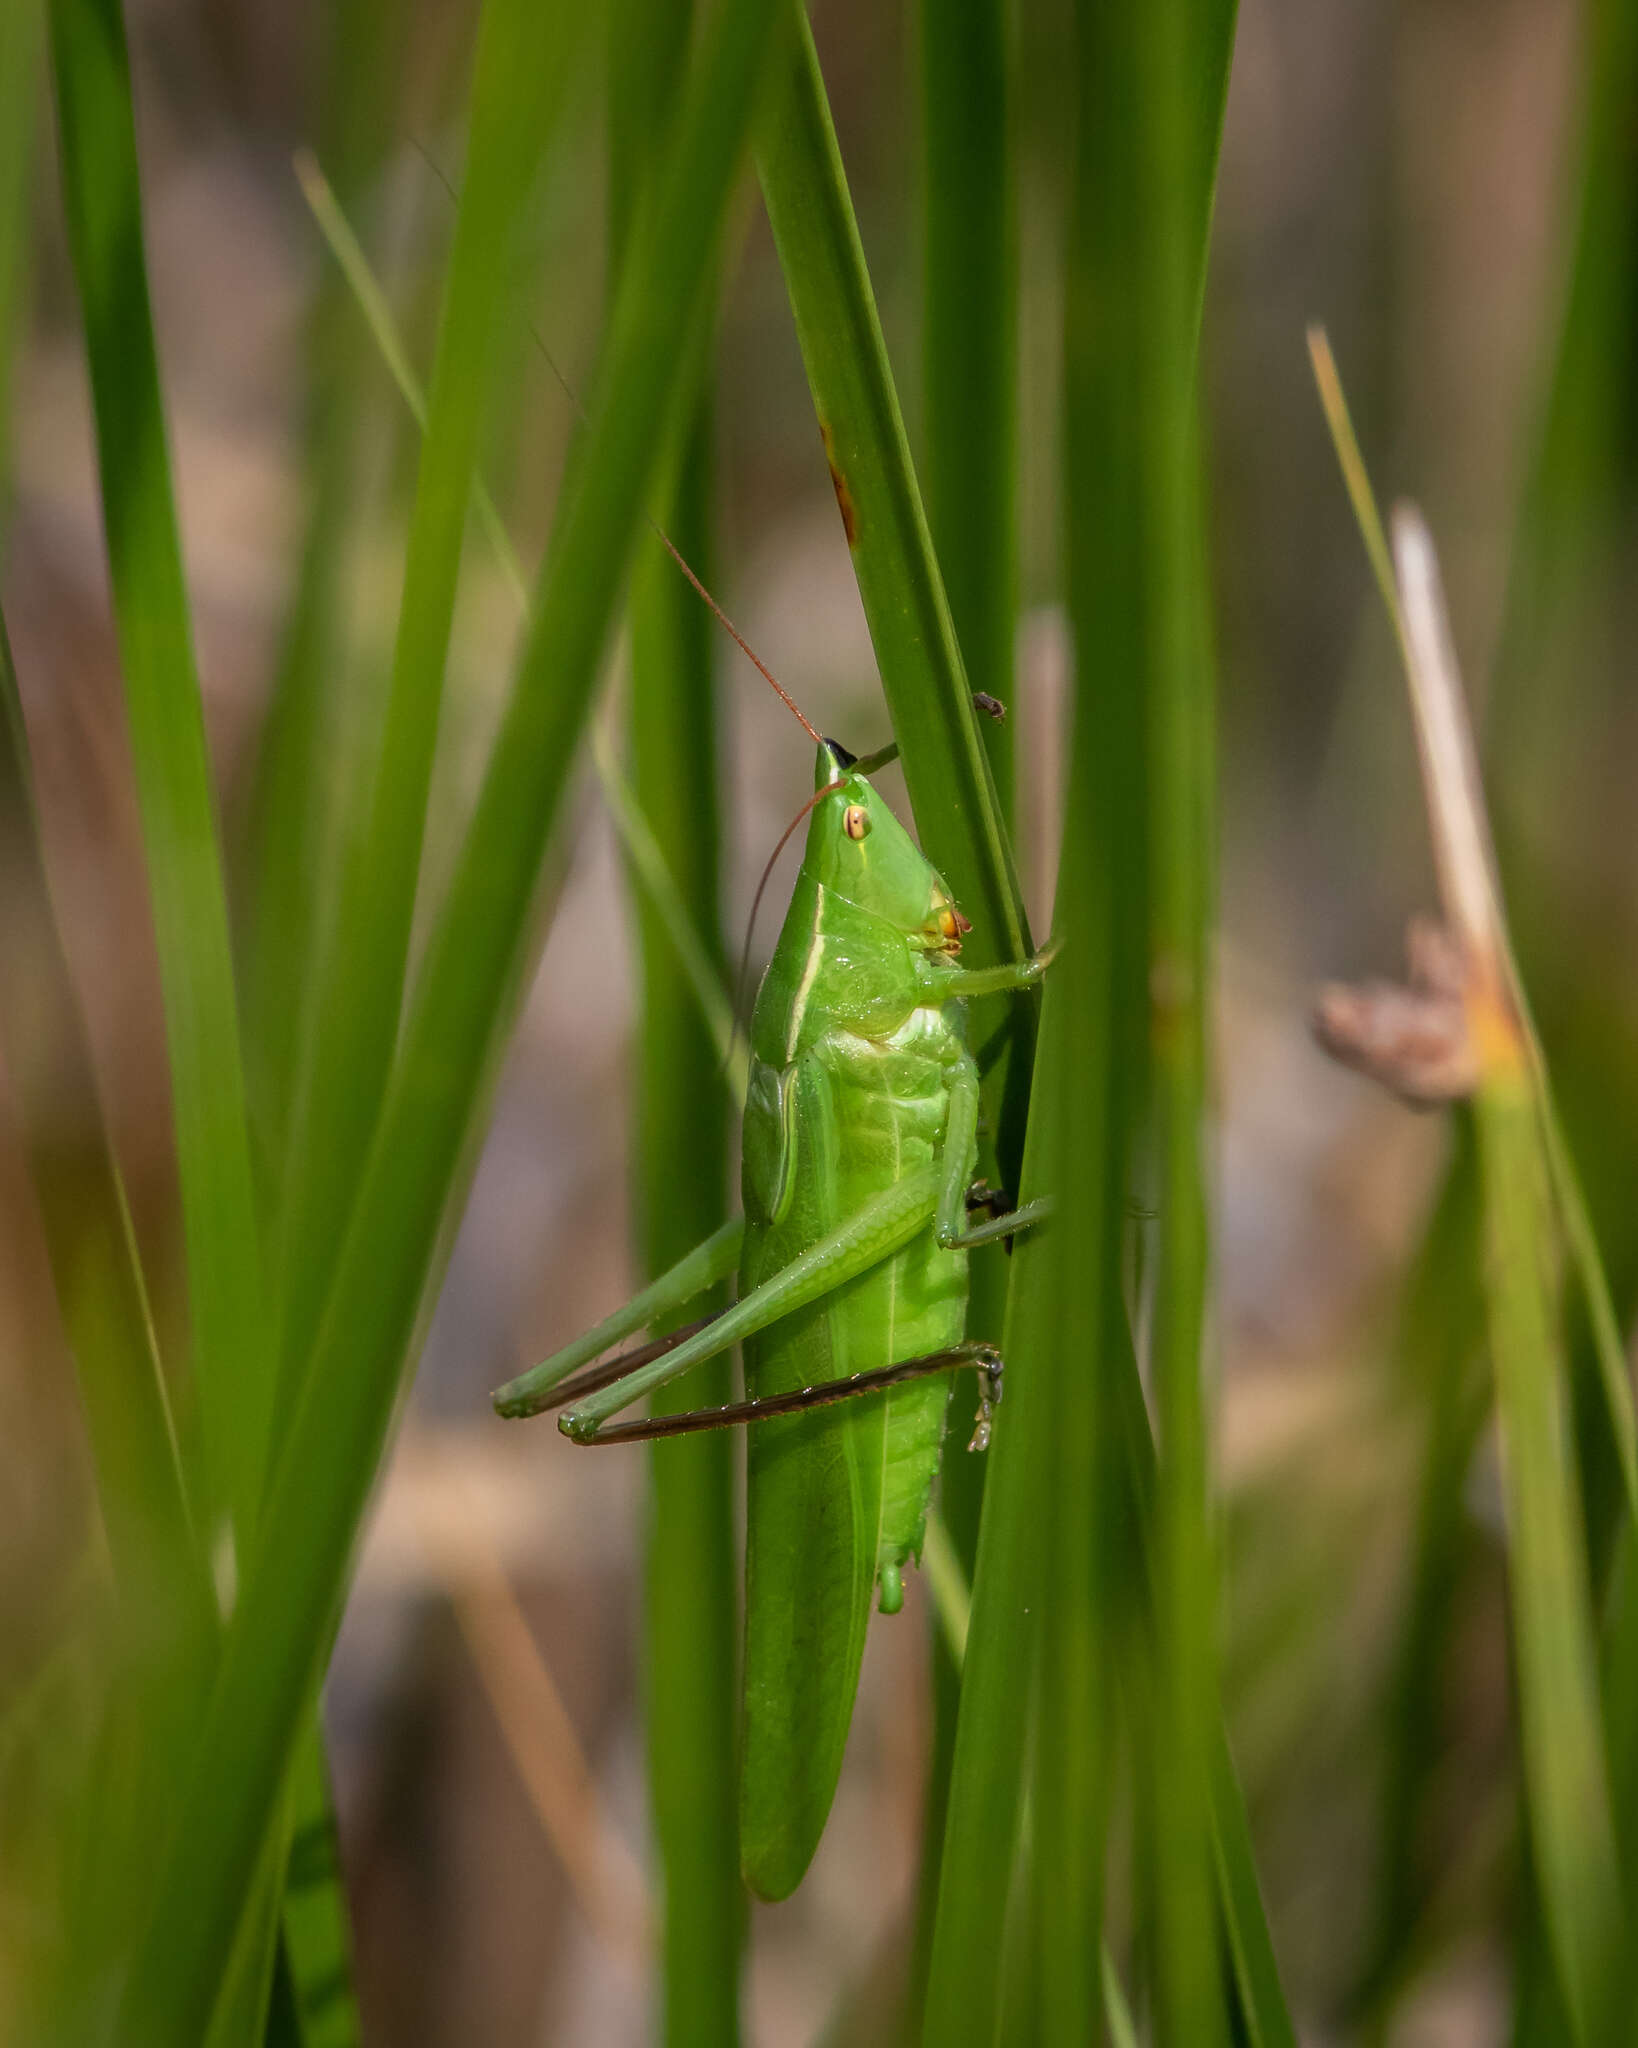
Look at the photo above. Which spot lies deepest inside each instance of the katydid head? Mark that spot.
(858, 851)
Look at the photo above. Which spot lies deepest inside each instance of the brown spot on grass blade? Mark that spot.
(844, 497)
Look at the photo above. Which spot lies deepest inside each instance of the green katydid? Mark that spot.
(858, 1156)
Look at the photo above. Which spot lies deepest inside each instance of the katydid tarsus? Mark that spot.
(858, 1157)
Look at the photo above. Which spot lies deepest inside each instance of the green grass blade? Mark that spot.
(1561, 1731)
(1181, 737)
(970, 340)
(1261, 2014)
(317, 1941)
(474, 962)
(692, 1576)
(286, 859)
(242, 2006)
(1437, 1351)
(520, 76)
(1559, 691)
(970, 398)
(156, 1659)
(153, 1547)
(680, 1156)
(923, 678)
(1609, 1352)
(1052, 1398)
(1035, 1658)
(20, 42)
(286, 874)
(1555, 736)
(232, 1351)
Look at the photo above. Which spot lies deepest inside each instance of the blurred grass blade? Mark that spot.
(1559, 692)
(1053, 1397)
(1035, 1657)
(1555, 670)
(1355, 476)
(242, 2008)
(231, 1331)
(1260, 2013)
(1609, 1350)
(970, 339)
(1562, 1739)
(1181, 742)
(969, 372)
(474, 963)
(153, 1546)
(680, 1156)
(317, 1942)
(1437, 1356)
(19, 99)
(1557, 743)
(157, 1657)
(284, 865)
(520, 76)
(702, 973)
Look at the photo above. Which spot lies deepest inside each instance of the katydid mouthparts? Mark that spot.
(859, 1151)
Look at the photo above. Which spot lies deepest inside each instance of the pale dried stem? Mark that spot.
(1462, 849)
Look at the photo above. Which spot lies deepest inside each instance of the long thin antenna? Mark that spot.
(739, 638)
(654, 525)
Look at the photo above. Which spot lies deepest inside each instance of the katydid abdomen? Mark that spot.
(837, 1500)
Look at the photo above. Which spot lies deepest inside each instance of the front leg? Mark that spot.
(951, 984)
(960, 1133)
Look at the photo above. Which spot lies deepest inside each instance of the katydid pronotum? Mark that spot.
(858, 1157)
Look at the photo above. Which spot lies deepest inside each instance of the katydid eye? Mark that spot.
(856, 822)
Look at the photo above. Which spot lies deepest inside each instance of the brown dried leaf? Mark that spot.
(1412, 1037)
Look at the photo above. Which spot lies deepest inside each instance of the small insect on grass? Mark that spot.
(857, 1172)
